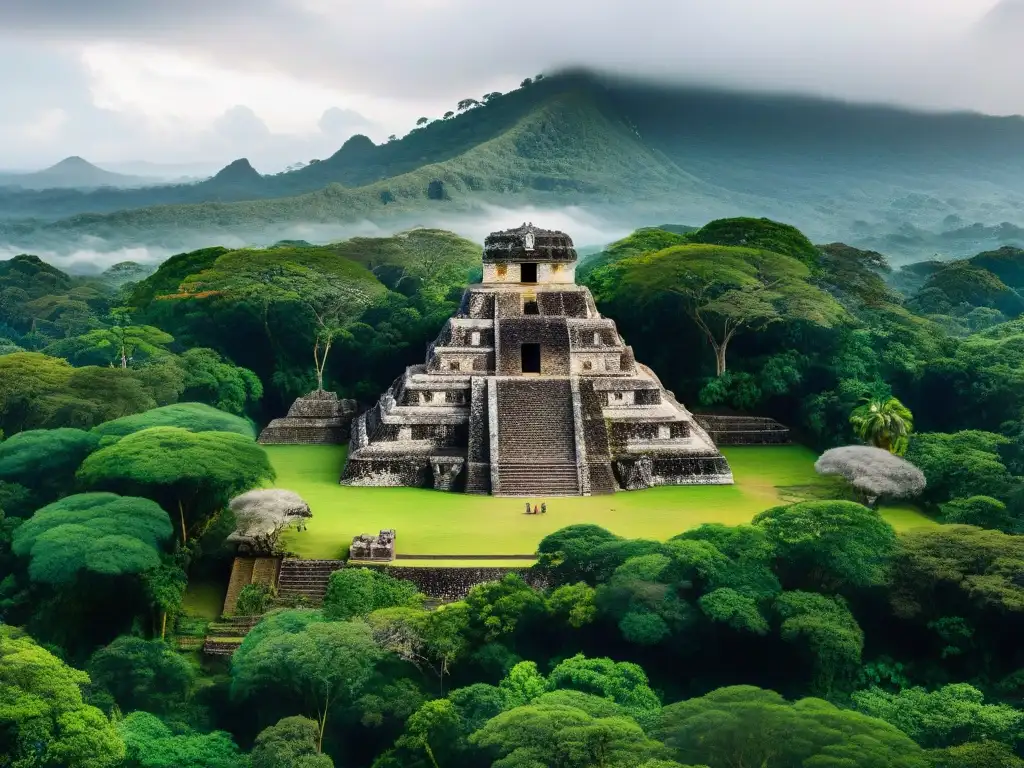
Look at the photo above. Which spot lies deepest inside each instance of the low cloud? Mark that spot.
(92, 255)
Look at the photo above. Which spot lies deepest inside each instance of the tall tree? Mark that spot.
(884, 424)
(292, 742)
(873, 473)
(195, 417)
(45, 460)
(568, 736)
(99, 532)
(152, 744)
(744, 725)
(44, 720)
(727, 290)
(951, 715)
(121, 343)
(829, 544)
(191, 474)
(142, 674)
(322, 664)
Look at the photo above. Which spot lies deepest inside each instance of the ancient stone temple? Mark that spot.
(528, 391)
(318, 418)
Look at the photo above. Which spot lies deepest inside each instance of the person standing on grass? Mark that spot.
(543, 508)
(535, 510)
(528, 510)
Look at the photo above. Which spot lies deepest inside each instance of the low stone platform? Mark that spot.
(744, 430)
(319, 418)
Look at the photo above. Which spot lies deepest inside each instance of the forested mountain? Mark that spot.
(907, 183)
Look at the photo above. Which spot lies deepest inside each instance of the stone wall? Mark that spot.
(743, 430)
(551, 333)
(400, 471)
(505, 272)
(478, 457)
(595, 437)
(562, 304)
(449, 584)
(635, 473)
(478, 305)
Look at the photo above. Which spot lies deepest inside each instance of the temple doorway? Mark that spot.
(531, 358)
(528, 273)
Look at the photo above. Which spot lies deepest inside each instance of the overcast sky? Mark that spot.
(285, 80)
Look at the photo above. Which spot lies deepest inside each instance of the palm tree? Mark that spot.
(883, 423)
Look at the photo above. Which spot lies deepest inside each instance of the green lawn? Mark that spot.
(204, 599)
(437, 523)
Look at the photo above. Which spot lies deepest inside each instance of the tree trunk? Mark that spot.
(323, 724)
(320, 363)
(430, 753)
(720, 358)
(181, 515)
(163, 626)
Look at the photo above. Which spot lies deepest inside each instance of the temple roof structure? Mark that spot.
(529, 391)
(529, 243)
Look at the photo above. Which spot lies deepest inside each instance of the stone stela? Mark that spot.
(378, 548)
(528, 391)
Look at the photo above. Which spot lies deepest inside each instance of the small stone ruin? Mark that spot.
(319, 418)
(380, 548)
(743, 430)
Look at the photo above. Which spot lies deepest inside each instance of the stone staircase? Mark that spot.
(306, 578)
(226, 635)
(536, 438)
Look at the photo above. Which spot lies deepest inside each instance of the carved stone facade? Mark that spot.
(528, 391)
(318, 418)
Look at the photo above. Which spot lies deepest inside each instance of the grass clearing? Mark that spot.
(431, 522)
(204, 599)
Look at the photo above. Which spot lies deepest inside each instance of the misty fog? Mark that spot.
(92, 255)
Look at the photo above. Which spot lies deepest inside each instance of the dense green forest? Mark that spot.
(815, 636)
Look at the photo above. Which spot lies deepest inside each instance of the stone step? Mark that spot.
(535, 422)
(306, 577)
(538, 479)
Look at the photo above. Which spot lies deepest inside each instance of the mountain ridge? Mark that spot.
(72, 172)
(633, 150)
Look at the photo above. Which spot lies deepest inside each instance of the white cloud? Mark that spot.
(154, 79)
(45, 126)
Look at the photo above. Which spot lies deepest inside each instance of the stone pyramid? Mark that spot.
(528, 391)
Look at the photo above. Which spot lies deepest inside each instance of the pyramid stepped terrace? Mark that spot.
(528, 391)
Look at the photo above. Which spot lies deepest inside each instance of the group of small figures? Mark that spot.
(535, 510)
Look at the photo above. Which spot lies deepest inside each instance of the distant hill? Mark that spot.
(909, 184)
(71, 173)
(170, 172)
